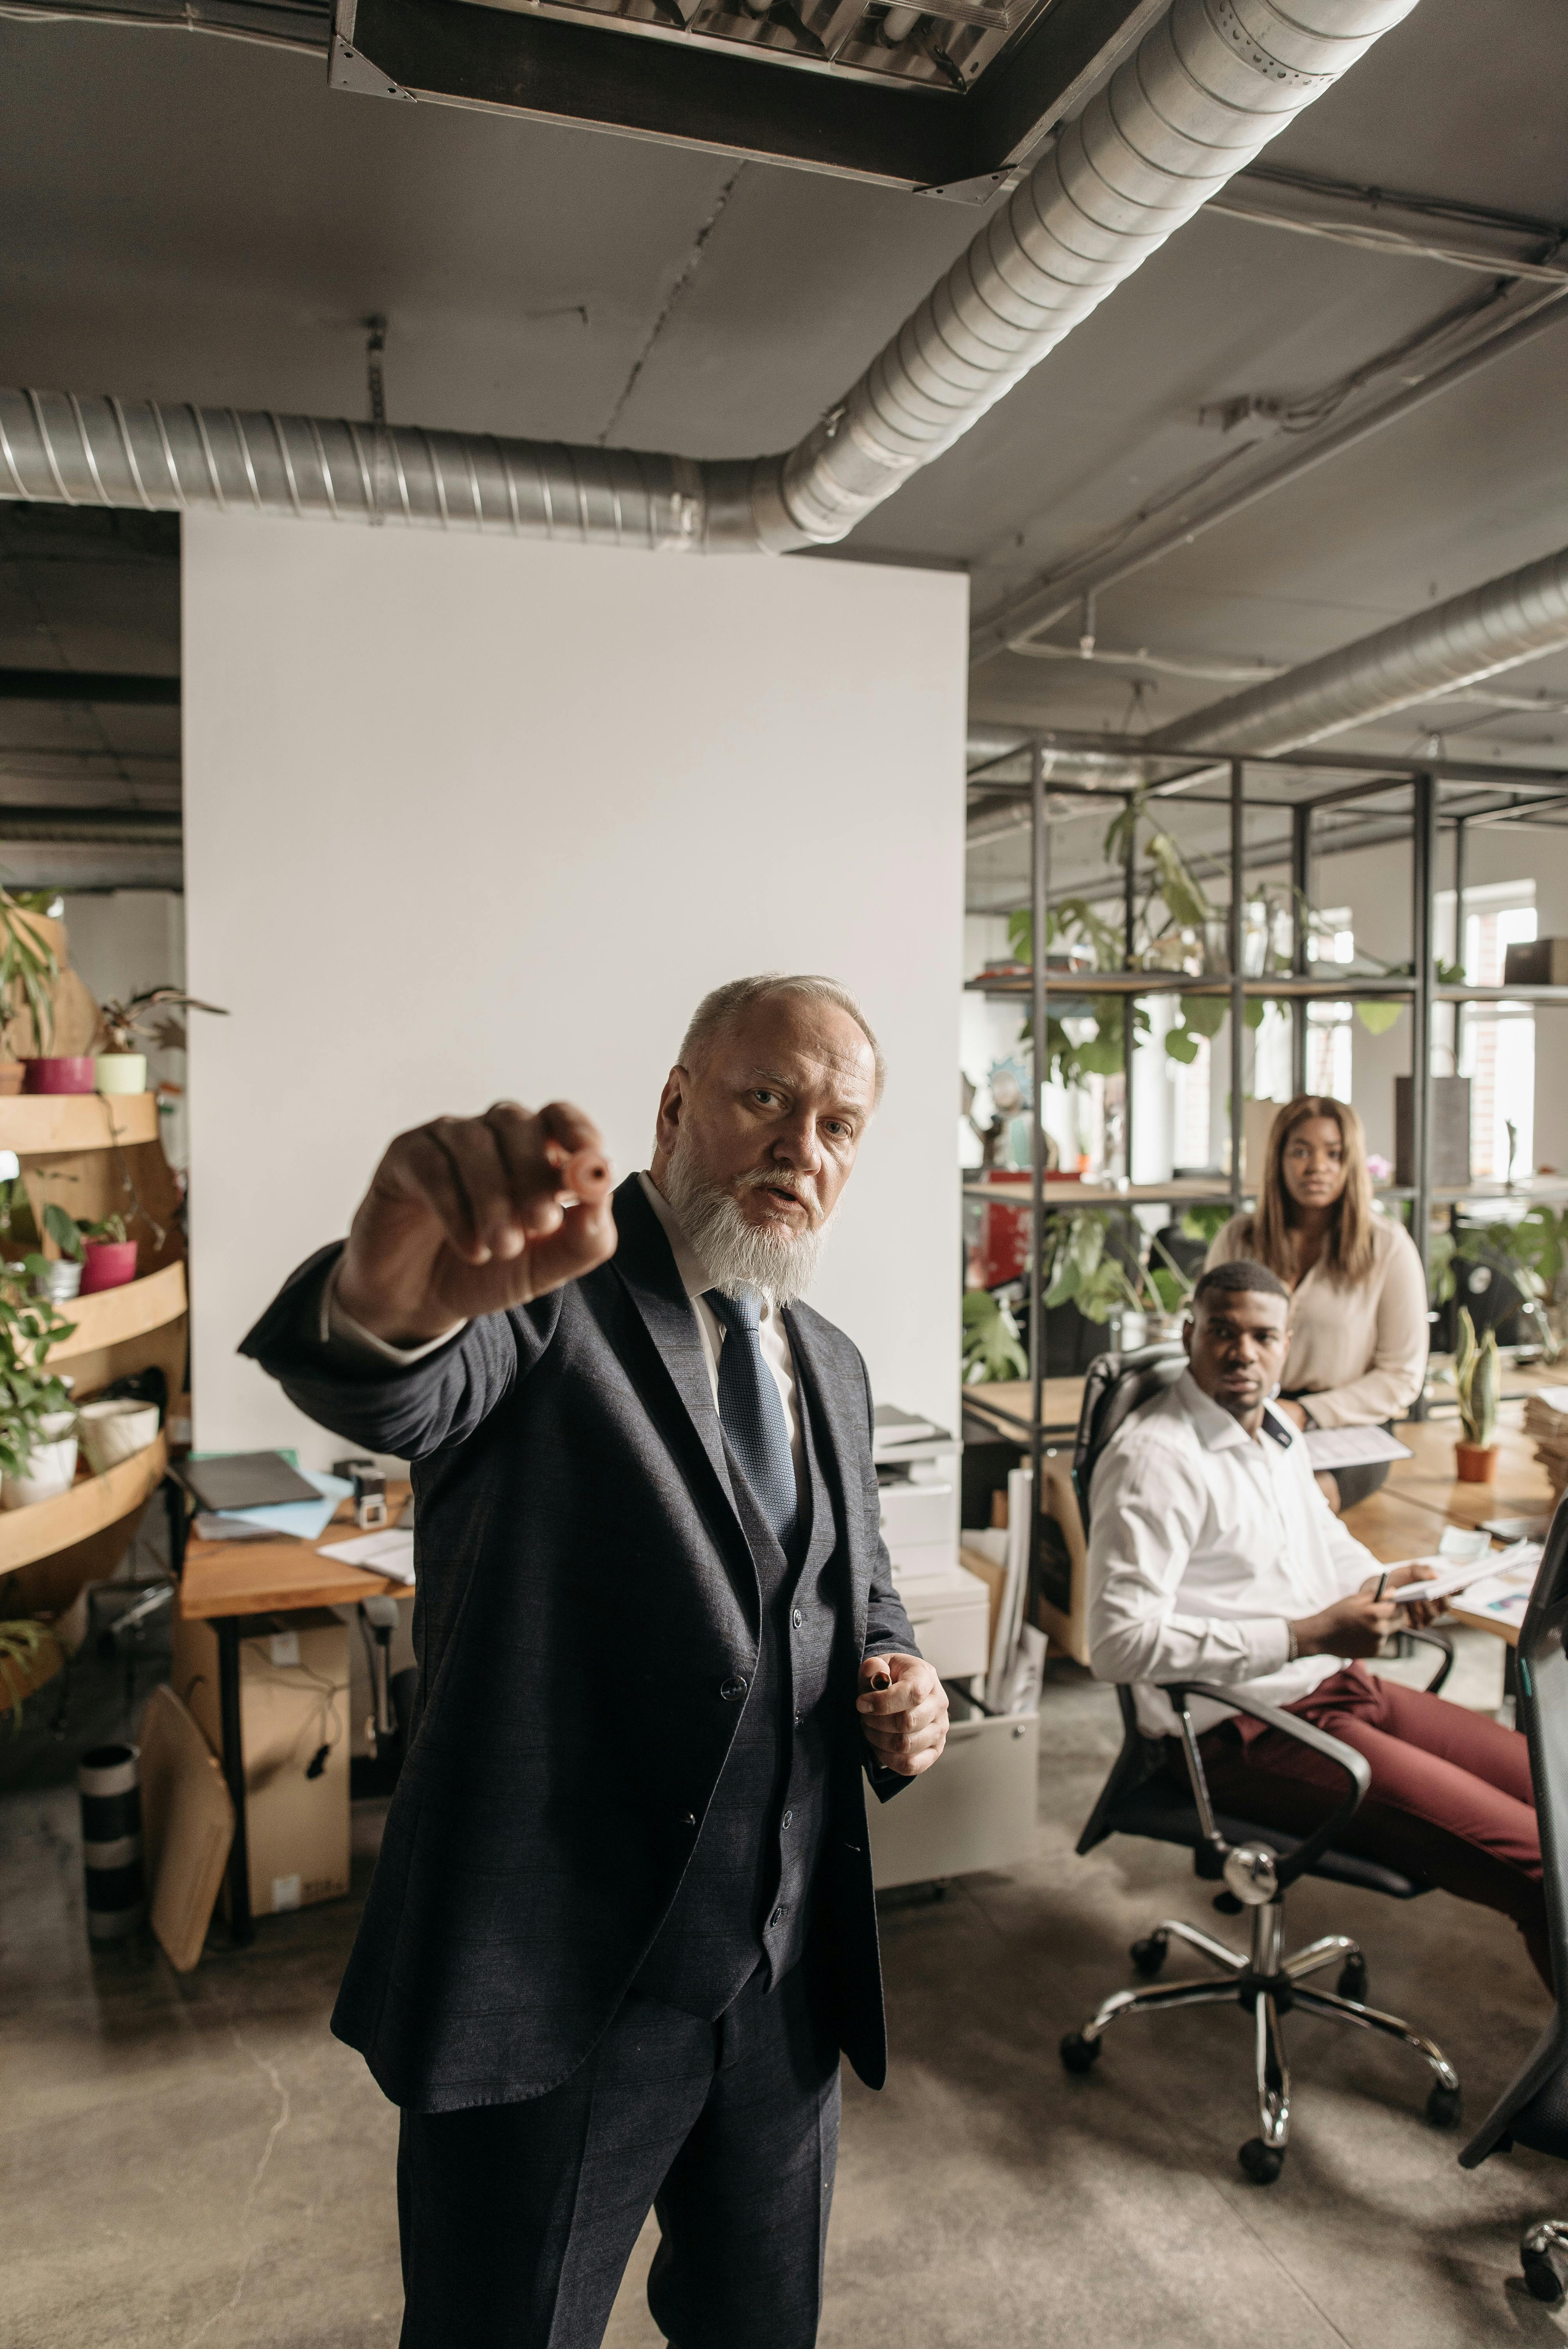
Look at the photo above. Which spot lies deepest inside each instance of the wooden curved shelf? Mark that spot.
(113, 1315)
(92, 1503)
(40, 1124)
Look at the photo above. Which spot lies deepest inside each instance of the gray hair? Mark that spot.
(736, 995)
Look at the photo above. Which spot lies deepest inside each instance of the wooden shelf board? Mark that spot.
(1281, 987)
(113, 1315)
(92, 1503)
(40, 1124)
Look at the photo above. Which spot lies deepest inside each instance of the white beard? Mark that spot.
(737, 1254)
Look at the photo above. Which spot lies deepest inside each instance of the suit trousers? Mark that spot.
(517, 2220)
(1450, 1798)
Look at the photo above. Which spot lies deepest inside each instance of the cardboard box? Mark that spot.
(293, 1700)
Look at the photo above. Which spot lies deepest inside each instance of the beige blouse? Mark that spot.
(1358, 1353)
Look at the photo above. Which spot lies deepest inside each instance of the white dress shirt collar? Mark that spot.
(1216, 1428)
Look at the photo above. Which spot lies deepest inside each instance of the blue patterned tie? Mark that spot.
(752, 1412)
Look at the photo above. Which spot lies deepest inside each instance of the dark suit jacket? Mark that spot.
(585, 1591)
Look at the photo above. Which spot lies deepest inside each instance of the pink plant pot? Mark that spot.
(110, 1265)
(78, 1074)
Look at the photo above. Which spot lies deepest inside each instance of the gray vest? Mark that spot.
(745, 1900)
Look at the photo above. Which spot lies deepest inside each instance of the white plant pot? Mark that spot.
(62, 1281)
(51, 1471)
(120, 1072)
(112, 1432)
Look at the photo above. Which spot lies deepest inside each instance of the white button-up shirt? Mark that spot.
(1205, 1544)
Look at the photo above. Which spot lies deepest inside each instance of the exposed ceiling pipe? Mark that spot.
(1204, 91)
(1477, 635)
(1059, 593)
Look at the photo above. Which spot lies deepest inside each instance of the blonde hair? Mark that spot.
(1348, 1244)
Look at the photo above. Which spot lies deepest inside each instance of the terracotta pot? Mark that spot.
(1475, 1464)
(11, 1075)
(76, 1075)
(110, 1265)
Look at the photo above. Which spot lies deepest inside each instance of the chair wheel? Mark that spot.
(1546, 2274)
(1352, 1982)
(1078, 2053)
(1444, 2106)
(1263, 2163)
(1149, 1954)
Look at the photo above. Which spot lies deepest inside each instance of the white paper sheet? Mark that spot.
(1352, 1447)
(390, 1554)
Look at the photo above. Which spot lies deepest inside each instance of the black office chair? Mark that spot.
(1533, 2111)
(1256, 1865)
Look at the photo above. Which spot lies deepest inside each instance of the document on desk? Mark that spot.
(1502, 1593)
(1352, 1447)
(389, 1554)
(294, 1520)
(1505, 1568)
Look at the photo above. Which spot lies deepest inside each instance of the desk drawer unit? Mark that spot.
(949, 1611)
(974, 1810)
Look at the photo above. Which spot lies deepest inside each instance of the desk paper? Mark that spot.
(389, 1554)
(1352, 1447)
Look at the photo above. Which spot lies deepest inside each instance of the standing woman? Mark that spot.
(1358, 1311)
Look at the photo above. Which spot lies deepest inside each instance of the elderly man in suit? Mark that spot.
(622, 1923)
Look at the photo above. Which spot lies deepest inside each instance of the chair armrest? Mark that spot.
(1445, 1647)
(1333, 1749)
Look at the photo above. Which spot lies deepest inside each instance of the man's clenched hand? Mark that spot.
(902, 1708)
(470, 1215)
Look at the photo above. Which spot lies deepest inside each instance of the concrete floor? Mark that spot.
(194, 2160)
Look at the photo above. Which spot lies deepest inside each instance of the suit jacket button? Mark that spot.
(796, 1619)
(733, 1689)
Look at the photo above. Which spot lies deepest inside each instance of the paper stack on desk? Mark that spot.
(1547, 1419)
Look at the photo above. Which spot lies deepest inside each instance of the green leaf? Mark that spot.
(1101, 1055)
(1376, 1017)
(1181, 1045)
(1203, 1014)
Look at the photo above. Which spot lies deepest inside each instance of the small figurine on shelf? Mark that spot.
(125, 1029)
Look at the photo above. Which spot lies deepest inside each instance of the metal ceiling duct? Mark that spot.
(1477, 635)
(1206, 88)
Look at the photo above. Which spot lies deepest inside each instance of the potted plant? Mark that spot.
(30, 974)
(1477, 1382)
(38, 1445)
(92, 1256)
(108, 1258)
(992, 1348)
(1112, 1274)
(125, 1029)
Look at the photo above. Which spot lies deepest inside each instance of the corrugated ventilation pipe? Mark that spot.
(1206, 88)
(1477, 635)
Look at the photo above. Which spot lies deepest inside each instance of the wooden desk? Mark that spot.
(224, 1582)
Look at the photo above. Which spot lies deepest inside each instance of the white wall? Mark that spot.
(467, 817)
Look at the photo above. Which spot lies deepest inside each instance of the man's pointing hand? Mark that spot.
(470, 1215)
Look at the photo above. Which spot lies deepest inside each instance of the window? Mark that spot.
(1496, 1041)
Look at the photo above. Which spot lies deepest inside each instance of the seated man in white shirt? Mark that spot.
(1212, 1555)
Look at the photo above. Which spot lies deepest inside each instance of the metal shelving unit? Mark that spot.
(1474, 791)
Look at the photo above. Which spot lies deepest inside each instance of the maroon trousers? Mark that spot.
(1450, 1798)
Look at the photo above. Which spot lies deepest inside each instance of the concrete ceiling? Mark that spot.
(192, 217)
